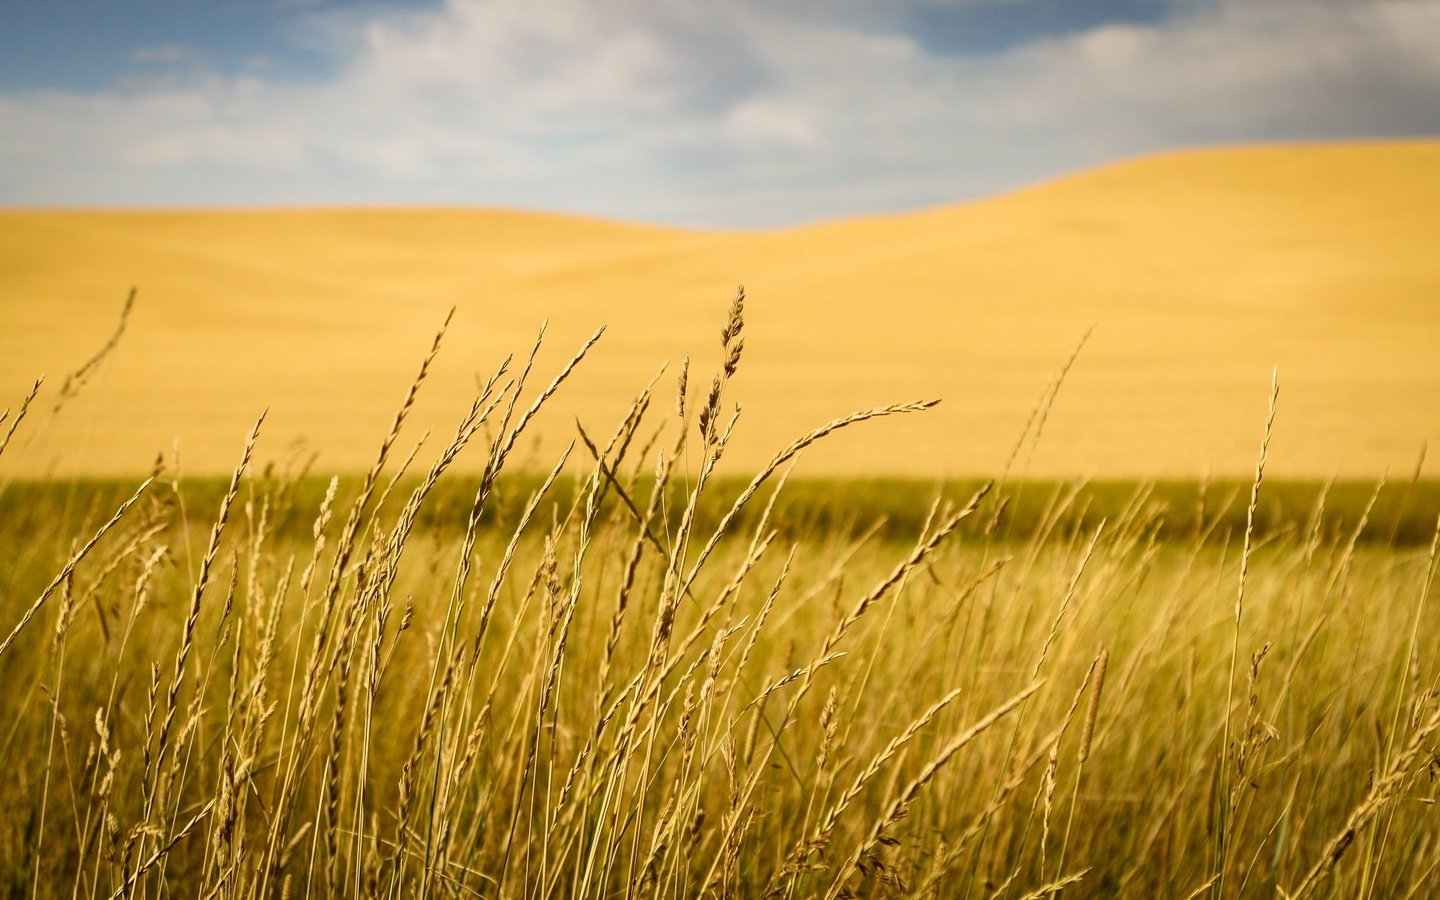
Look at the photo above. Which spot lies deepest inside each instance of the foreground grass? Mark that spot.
(603, 683)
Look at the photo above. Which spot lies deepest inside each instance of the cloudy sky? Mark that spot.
(720, 113)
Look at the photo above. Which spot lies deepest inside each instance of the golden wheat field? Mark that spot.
(562, 624)
(1199, 272)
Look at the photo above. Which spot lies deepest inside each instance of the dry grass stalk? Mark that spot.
(896, 809)
(1222, 824)
(78, 378)
(1387, 787)
(69, 569)
(20, 415)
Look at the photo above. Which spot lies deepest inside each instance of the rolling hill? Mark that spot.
(1200, 271)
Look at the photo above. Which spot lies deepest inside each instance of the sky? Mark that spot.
(727, 113)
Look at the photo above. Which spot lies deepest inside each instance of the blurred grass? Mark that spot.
(1397, 512)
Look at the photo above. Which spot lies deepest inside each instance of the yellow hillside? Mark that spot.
(1201, 271)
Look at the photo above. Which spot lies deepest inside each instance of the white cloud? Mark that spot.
(1276, 70)
(762, 124)
(722, 113)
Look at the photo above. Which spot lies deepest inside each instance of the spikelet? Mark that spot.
(1087, 731)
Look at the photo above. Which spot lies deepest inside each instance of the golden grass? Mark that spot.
(608, 697)
(1200, 270)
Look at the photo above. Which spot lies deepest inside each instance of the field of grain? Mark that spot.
(1199, 273)
(631, 677)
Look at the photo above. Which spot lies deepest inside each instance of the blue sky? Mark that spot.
(721, 113)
